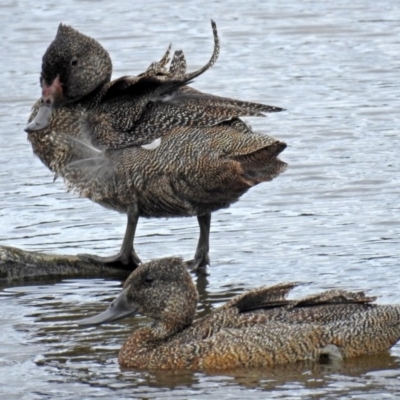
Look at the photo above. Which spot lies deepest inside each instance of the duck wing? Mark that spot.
(264, 297)
(334, 296)
(267, 298)
(142, 109)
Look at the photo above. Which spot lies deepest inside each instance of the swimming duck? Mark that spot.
(258, 328)
(149, 145)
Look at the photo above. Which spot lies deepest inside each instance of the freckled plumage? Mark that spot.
(258, 328)
(148, 145)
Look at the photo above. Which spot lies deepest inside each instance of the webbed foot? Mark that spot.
(120, 261)
(199, 265)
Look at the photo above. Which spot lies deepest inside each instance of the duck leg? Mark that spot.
(127, 256)
(201, 257)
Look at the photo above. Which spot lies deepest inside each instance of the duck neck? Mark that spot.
(93, 98)
(175, 318)
(151, 347)
(159, 332)
(177, 312)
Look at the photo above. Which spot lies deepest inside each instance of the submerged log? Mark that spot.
(17, 264)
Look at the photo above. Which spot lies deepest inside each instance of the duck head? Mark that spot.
(160, 289)
(73, 66)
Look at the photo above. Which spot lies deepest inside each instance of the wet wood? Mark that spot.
(17, 264)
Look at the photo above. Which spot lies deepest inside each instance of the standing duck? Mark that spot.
(256, 329)
(148, 146)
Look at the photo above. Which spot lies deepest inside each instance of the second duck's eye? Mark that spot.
(74, 61)
(148, 279)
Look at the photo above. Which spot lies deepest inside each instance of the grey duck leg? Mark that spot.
(201, 257)
(127, 256)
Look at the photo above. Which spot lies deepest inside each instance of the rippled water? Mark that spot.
(331, 220)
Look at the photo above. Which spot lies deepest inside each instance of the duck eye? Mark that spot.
(148, 279)
(74, 61)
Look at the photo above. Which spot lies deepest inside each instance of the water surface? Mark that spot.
(331, 220)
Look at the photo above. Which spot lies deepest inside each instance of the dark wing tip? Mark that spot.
(272, 109)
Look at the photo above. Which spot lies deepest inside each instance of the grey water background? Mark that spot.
(331, 220)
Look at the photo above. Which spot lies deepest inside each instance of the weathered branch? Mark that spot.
(17, 264)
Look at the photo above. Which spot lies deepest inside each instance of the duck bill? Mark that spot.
(41, 119)
(52, 95)
(120, 308)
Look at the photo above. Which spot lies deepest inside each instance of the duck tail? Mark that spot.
(263, 164)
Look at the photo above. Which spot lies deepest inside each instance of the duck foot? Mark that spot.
(119, 261)
(198, 266)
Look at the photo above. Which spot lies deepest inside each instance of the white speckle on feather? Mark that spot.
(153, 145)
(167, 97)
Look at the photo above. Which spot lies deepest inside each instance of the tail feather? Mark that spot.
(177, 68)
(192, 75)
(266, 295)
(262, 165)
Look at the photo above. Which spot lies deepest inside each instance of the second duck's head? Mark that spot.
(161, 289)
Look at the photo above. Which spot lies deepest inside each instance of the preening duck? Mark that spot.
(149, 145)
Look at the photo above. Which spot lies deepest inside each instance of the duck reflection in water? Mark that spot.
(258, 328)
